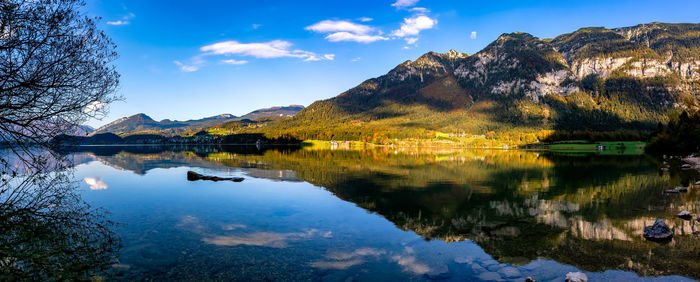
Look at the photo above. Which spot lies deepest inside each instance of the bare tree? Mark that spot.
(56, 70)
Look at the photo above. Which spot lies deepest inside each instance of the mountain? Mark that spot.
(287, 111)
(143, 124)
(519, 87)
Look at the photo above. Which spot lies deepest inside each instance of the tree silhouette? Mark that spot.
(56, 70)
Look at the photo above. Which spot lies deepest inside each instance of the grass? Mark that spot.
(609, 147)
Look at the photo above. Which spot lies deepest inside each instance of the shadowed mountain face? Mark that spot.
(143, 124)
(594, 79)
(584, 210)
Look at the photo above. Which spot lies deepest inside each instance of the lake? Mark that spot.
(388, 213)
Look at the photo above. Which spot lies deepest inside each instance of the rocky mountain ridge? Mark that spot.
(598, 78)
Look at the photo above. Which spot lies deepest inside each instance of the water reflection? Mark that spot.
(519, 207)
(46, 230)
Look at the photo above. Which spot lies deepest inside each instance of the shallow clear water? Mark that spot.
(388, 214)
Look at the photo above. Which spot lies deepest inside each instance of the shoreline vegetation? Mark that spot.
(444, 141)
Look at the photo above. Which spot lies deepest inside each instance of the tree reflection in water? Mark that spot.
(46, 230)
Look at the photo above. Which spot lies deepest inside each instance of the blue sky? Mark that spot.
(191, 59)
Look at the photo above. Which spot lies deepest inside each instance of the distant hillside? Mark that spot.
(287, 111)
(594, 79)
(143, 124)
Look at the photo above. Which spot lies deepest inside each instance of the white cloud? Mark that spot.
(234, 62)
(125, 20)
(411, 40)
(263, 50)
(95, 183)
(404, 3)
(347, 36)
(413, 26)
(94, 106)
(356, 59)
(329, 57)
(119, 22)
(410, 264)
(346, 31)
(186, 68)
(365, 19)
(336, 26)
(419, 10)
(473, 35)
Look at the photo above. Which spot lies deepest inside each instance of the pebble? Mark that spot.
(477, 268)
(685, 215)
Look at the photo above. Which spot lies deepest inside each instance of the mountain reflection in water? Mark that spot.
(520, 207)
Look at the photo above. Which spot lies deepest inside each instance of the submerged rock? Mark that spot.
(576, 277)
(489, 276)
(658, 232)
(685, 215)
(439, 273)
(677, 190)
(193, 176)
(509, 272)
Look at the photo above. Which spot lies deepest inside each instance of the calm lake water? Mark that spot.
(406, 214)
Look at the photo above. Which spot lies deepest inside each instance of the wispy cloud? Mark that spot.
(356, 59)
(414, 25)
(329, 57)
(263, 50)
(186, 68)
(419, 10)
(404, 3)
(347, 36)
(234, 62)
(365, 19)
(125, 20)
(411, 40)
(256, 26)
(346, 31)
(472, 35)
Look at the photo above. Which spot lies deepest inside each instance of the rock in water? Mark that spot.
(193, 176)
(685, 215)
(530, 279)
(677, 190)
(658, 232)
(576, 277)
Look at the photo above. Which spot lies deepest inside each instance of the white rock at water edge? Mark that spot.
(576, 277)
